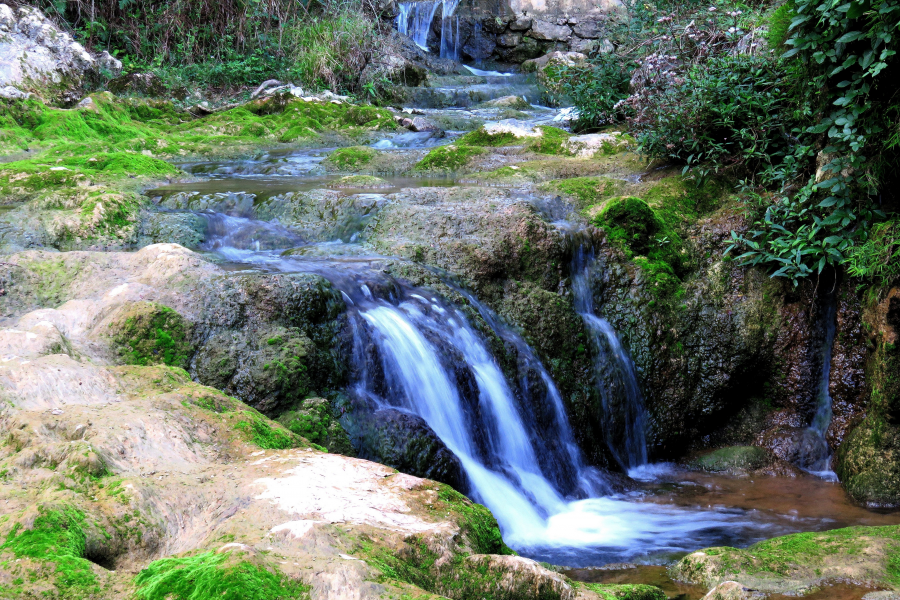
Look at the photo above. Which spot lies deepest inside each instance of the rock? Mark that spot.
(394, 68)
(37, 57)
(515, 577)
(520, 24)
(588, 28)
(516, 102)
(735, 460)
(729, 590)
(10, 93)
(509, 40)
(479, 48)
(420, 124)
(543, 30)
(109, 65)
(87, 104)
(143, 84)
(589, 145)
(568, 59)
(403, 441)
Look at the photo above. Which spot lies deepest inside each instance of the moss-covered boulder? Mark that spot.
(350, 159)
(450, 158)
(796, 563)
(315, 420)
(148, 333)
(868, 460)
(733, 460)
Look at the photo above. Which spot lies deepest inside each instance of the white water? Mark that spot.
(415, 20)
(415, 339)
(614, 375)
(482, 73)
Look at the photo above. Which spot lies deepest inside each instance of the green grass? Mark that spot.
(210, 576)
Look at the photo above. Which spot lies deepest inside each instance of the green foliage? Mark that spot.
(728, 112)
(594, 88)
(849, 49)
(210, 576)
(150, 334)
(878, 258)
(57, 536)
(448, 158)
(231, 43)
(779, 26)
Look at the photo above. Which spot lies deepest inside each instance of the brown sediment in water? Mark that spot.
(819, 504)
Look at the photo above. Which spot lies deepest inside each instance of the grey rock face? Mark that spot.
(543, 30)
(35, 56)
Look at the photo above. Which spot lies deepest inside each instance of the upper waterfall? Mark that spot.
(415, 21)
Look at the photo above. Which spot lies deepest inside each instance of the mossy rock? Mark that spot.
(148, 333)
(231, 575)
(315, 421)
(448, 158)
(733, 459)
(551, 141)
(352, 158)
(586, 191)
(360, 182)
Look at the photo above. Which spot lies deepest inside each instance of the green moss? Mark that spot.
(210, 576)
(448, 158)
(585, 191)
(316, 422)
(57, 536)
(631, 224)
(477, 523)
(552, 141)
(266, 433)
(149, 333)
(354, 157)
(483, 139)
(733, 458)
(626, 591)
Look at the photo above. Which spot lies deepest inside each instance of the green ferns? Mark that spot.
(211, 576)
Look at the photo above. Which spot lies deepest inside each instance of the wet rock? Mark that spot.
(729, 590)
(521, 24)
(479, 48)
(403, 441)
(420, 124)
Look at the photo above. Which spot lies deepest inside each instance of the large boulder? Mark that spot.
(36, 56)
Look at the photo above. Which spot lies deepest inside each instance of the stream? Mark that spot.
(418, 356)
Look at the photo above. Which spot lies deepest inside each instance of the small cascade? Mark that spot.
(415, 20)
(815, 454)
(450, 41)
(614, 375)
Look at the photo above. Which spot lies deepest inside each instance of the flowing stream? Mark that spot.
(480, 389)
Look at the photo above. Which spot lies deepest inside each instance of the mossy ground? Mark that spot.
(733, 458)
(352, 158)
(448, 158)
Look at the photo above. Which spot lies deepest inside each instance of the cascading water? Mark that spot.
(614, 376)
(415, 20)
(815, 454)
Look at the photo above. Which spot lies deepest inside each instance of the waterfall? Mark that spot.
(815, 454)
(415, 20)
(614, 376)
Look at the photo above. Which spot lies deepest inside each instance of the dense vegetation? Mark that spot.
(796, 103)
(231, 43)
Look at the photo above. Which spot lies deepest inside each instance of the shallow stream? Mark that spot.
(418, 354)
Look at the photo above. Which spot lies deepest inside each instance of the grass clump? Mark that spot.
(211, 576)
(57, 536)
(448, 158)
(351, 158)
(265, 433)
(150, 334)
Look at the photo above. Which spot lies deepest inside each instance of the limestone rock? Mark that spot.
(521, 24)
(35, 56)
(728, 590)
(109, 64)
(544, 30)
(568, 59)
(519, 577)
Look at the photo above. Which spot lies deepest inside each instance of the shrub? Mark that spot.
(729, 112)
(595, 88)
